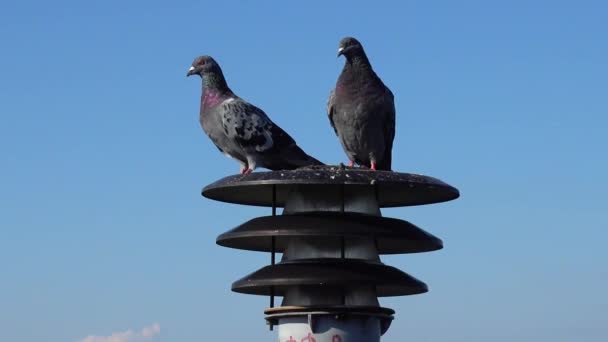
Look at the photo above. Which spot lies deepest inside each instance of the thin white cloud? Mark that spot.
(147, 334)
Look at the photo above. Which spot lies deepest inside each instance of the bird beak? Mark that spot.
(340, 51)
(190, 71)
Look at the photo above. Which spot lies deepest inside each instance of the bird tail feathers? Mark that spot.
(294, 157)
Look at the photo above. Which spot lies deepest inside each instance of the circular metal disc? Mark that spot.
(341, 273)
(392, 236)
(330, 309)
(394, 189)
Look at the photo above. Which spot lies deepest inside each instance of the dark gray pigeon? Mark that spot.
(361, 110)
(239, 129)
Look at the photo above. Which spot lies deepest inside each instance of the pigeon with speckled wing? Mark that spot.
(361, 110)
(239, 129)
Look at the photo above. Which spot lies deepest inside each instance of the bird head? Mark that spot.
(203, 65)
(349, 46)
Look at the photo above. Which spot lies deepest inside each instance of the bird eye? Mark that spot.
(201, 62)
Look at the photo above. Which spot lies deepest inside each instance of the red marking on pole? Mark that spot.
(291, 339)
(336, 338)
(309, 338)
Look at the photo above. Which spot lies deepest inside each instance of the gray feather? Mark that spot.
(361, 110)
(241, 130)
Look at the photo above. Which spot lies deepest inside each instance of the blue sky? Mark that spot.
(102, 227)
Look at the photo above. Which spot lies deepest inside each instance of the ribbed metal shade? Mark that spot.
(392, 236)
(331, 234)
(341, 273)
(393, 189)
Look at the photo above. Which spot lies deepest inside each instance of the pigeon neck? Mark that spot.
(359, 61)
(215, 82)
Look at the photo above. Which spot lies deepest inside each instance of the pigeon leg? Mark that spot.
(243, 168)
(351, 163)
(250, 165)
(373, 166)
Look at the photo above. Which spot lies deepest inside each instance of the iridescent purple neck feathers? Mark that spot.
(212, 97)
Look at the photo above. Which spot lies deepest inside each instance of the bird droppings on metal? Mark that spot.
(393, 188)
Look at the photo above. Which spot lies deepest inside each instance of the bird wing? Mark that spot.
(330, 109)
(389, 126)
(251, 128)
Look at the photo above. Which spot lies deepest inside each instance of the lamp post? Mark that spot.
(331, 234)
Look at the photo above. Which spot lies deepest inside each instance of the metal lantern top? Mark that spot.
(331, 234)
(392, 189)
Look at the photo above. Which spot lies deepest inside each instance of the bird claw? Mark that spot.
(373, 166)
(247, 171)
